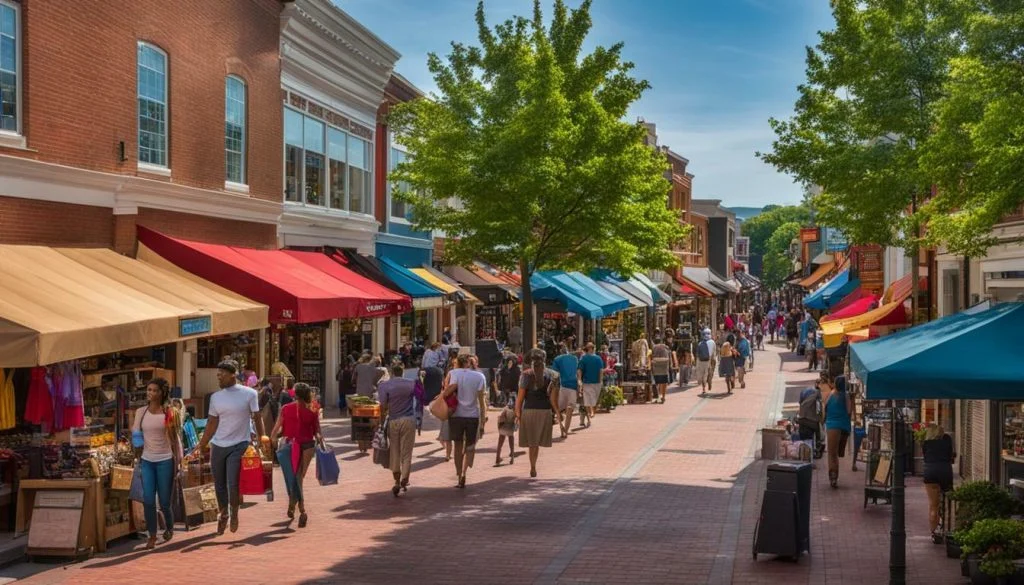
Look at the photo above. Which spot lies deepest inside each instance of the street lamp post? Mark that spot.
(898, 531)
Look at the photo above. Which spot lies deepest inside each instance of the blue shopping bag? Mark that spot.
(327, 469)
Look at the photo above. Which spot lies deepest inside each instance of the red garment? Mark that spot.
(300, 425)
(39, 408)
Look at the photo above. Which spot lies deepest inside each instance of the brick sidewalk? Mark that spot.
(649, 494)
(849, 543)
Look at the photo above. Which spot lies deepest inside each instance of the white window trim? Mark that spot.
(16, 139)
(236, 187)
(370, 212)
(393, 144)
(150, 167)
(245, 135)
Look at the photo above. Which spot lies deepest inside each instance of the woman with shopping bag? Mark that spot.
(299, 428)
(160, 428)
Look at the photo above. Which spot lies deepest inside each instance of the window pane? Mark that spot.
(234, 130)
(8, 101)
(338, 172)
(358, 186)
(8, 23)
(358, 153)
(314, 178)
(313, 135)
(292, 127)
(398, 208)
(292, 173)
(8, 54)
(152, 99)
(336, 144)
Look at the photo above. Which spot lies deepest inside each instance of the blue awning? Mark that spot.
(423, 295)
(970, 355)
(570, 289)
(832, 291)
(659, 295)
(633, 290)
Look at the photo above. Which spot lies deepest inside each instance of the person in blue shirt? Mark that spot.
(592, 375)
(743, 347)
(838, 406)
(567, 367)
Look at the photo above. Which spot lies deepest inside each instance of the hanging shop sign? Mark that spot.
(870, 268)
(189, 326)
(809, 235)
(835, 240)
(555, 316)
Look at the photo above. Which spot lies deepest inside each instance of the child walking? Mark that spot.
(506, 428)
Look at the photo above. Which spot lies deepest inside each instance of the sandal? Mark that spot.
(405, 484)
(168, 534)
(151, 543)
(222, 524)
(234, 522)
(394, 490)
(533, 473)
(303, 520)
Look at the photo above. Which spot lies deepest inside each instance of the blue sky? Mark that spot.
(719, 69)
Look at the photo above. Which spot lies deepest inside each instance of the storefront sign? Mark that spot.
(554, 316)
(809, 235)
(188, 326)
(870, 269)
(375, 308)
(488, 311)
(835, 240)
(367, 326)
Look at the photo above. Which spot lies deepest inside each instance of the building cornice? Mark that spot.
(125, 194)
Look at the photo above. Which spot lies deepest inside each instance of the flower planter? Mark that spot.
(975, 574)
(953, 550)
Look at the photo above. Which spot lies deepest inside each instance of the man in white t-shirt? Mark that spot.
(232, 408)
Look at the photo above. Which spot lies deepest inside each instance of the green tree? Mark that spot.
(976, 155)
(866, 108)
(778, 263)
(761, 227)
(527, 137)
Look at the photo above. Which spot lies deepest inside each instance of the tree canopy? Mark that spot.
(867, 107)
(523, 158)
(777, 262)
(761, 227)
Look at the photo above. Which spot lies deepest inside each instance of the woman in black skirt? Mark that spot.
(939, 455)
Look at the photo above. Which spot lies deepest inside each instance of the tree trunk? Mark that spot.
(529, 324)
(915, 267)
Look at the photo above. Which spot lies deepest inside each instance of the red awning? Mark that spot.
(858, 307)
(299, 287)
(851, 298)
(690, 287)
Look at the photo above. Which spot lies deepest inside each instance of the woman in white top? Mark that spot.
(161, 452)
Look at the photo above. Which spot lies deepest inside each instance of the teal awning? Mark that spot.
(659, 295)
(832, 292)
(424, 296)
(633, 290)
(578, 293)
(971, 355)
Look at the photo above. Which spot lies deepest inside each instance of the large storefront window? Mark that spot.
(326, 167)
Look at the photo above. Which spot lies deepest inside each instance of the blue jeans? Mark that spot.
(157, 479)
(226, 464)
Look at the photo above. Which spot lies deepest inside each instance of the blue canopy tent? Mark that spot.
(832, 292)
(635, 291)
(969, 355)
(424, 296)
(660, 296)
(590, 301)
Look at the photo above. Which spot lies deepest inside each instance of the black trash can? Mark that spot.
(784, 526)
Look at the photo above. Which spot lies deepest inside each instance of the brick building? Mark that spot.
(115, 114)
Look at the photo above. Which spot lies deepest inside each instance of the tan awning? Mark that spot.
(58, 304)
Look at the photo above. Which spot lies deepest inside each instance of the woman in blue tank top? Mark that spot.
(838, 405)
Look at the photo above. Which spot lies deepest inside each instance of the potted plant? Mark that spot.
(611, 396)
(978, 500)
(990, 547)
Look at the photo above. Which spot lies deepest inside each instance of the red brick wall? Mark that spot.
(214, 230)
(80, 84)
(44, 223)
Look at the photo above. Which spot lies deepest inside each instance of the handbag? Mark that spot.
(136, 492)
(327, 469)
(138, 439)
(439, 408)
(380, 436)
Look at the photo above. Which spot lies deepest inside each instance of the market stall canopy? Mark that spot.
(858, 307)
(832, 291)
(555, 285)
(609, 301)
(748, 282)
(503, 275)
(854, 296)
(58, 304)
(632, 289)
(423, 295)
(445, 283)
(293, 284)
(657, 294)
(707, 279)
(685, 287)
(490, 289)
(365, 266)
(823, 258)
(892, 313)
(818, 275)
(966, 356)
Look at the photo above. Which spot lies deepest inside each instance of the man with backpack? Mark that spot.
(705, 370)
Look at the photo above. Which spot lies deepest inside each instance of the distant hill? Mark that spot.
(745, 213)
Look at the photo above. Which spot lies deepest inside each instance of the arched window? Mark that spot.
(152, 94)
(234, 130)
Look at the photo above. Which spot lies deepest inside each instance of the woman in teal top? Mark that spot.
(838, 406)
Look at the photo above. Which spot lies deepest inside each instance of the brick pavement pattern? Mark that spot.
(649, 494)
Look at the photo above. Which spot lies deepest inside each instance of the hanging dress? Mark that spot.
(8, 419)
(71, 386)
(39, 408)
(54, 380)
